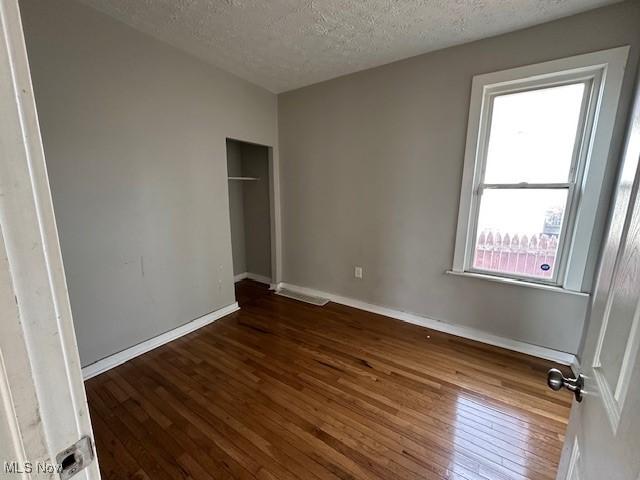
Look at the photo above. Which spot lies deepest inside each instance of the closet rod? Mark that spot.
(244, 178)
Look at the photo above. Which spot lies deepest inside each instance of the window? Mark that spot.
(527, 186)
(537, 147)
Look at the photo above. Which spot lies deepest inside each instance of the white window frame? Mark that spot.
(603, 73)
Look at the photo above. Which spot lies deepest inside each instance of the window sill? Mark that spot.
(520, 283)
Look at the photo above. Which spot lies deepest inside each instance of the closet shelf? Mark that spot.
(244, 178)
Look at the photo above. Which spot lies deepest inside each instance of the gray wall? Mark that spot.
(236, 207)
(371, 168)
(134, 135)
(249, 204)
(257, 214)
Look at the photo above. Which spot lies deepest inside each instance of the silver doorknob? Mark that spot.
(556, 381)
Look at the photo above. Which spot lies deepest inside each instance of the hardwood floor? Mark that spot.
(286, 390)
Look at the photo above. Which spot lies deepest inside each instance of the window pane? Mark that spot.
(533, 134)
(519, 230)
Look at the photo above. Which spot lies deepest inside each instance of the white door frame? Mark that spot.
(33, 261)
(274, 208)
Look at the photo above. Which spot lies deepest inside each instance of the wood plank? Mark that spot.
(287, 390)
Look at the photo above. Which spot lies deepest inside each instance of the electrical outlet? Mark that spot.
(358, 272)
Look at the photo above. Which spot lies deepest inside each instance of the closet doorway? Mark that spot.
(250, 210)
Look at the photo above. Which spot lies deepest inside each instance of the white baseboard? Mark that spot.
(252, 276)
(576, 368)
(470, 333)
(259, 278)
(119, 358)
(240, 276)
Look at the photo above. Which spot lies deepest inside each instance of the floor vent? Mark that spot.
(302, 297)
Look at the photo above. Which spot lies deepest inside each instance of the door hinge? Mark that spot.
(75, 458)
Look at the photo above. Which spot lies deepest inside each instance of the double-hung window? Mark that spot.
(537, 148)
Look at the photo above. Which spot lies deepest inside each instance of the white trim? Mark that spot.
(576, 367)
(562, 358)
(275, 207)
(628, 365)
(259, 278)
(253, 276)
(573, 471)
(121, 357)
(519, 283)
(33, 261)
(607, 65)
(609, 402)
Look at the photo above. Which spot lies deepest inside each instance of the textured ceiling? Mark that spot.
(286, 44)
